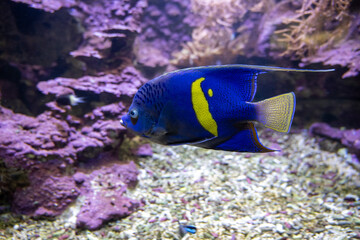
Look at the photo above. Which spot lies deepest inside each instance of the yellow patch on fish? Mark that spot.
(210, 92)
(201, 107)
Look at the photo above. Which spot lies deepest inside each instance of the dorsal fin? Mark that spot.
(243, 75)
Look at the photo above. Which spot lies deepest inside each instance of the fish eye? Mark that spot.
(134, 113)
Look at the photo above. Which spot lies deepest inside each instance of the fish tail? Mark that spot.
(277, 112)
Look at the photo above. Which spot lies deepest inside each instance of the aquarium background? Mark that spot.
(73, 172)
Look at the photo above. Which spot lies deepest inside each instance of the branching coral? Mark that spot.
(311, 31)
(217, 38)
(310, 27)
(321, 31)
(346, 54)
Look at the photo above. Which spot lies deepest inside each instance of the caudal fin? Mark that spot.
(277, 112)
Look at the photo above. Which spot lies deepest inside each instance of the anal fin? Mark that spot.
(245, 140)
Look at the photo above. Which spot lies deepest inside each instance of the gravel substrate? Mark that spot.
(301, 192)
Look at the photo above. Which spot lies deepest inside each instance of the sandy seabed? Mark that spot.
(301, 192)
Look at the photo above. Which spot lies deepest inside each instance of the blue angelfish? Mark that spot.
(210, 107)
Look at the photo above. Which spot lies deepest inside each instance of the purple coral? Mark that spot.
(104, 191)
(63, 136)
(165, 27)
(27, 140)
(125, 83)
(144, 150)
(47, 195)
(349, 138)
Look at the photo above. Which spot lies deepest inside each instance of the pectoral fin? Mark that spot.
(166, 131)
(158, 131)
(163, 126)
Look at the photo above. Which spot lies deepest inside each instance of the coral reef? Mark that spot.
(344, 54)
(165, 26)
(26, 140)
(310, 31)
(31, 51)
(59, 156)
(150, 60)
(72, 39)
(216, 39)
(84, 48)
(309, 28)
(323, 31)
(110, 29)
(30, 143)
(106, 24)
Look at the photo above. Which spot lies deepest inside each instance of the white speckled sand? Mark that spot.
(299, 193)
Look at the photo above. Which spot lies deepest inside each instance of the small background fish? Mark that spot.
(184, 229)
(69, 99)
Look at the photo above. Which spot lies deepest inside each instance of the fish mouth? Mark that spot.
(122, 122)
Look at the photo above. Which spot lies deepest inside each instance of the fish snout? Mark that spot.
(122, 122)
